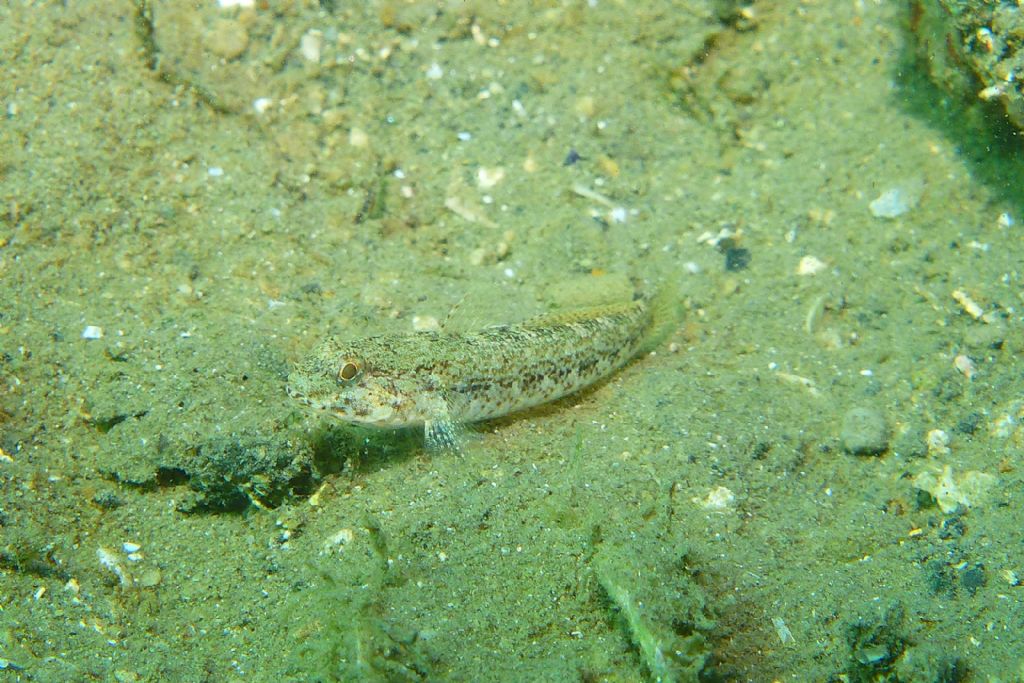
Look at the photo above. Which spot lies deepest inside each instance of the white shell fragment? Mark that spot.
(311, 44)
(970, 306)
(110, 560)
(357, 137)
(486, 178)
(953, 490)
(718, 498)
(897, 201)
(338, 540)
(92, 332)
(991, 92)
(937, 442)
(425, 323)
(785, 635)
(965, 366)
(435, 72)
(810, 265)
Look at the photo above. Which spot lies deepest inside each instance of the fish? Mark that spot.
(444, 380)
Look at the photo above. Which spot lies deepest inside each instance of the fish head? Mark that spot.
(361, 382)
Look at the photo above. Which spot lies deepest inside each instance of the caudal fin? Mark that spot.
(666, 314)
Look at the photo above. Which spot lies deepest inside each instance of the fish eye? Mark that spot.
(348, 371)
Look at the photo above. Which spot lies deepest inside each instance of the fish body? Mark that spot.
(440, 380)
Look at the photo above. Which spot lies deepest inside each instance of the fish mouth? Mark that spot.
(308, 400)
(299, 396)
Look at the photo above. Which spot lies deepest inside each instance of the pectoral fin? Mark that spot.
(441, 435)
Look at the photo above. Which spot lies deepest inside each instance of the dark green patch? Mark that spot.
(876, 640)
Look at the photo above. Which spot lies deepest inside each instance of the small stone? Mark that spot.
(477, 257)
(1010, 577)
(227, 39)
(736, 258)
(864, 432)
(151, 578)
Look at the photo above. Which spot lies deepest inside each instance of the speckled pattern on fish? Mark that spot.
(441, 380)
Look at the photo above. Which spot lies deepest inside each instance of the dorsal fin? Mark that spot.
(576, 314)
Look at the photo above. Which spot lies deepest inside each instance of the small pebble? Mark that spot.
(864, 432)
(227, 39)
(736, 259)
(150, 578)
